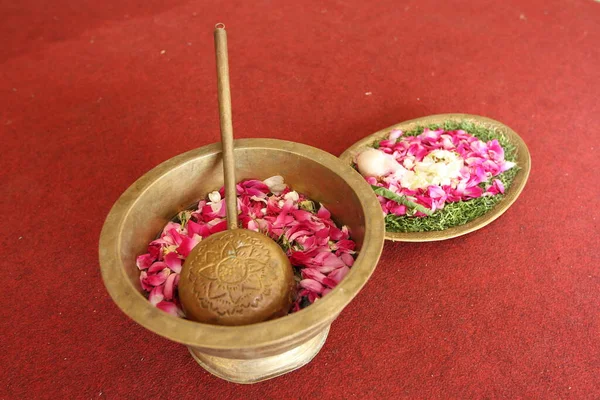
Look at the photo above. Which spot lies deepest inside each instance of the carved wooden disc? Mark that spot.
(236, 277)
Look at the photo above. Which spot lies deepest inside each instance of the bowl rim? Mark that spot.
(523, 160)
(259, 335)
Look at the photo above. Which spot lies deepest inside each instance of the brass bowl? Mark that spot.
(523, 162)
(249, 353)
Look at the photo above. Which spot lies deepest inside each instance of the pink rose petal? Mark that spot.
(169, 286)
(156, 295)
(312, 285)
(195, 228)
(311, 273)
(219, 227)
(173, 262)
(157, 267)
(187, 244)
(160, 278)
(347, 259)
(144, 261)
(144, 281)
(170, 308)
(336, 277)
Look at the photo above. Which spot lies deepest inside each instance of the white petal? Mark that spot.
(292, 195)
(214, 197)
(276, 184)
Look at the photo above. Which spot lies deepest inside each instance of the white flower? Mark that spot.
(292, 195)
(256, 198)
(214, 197)
(215, 202)
(275, 184)
(440, 167)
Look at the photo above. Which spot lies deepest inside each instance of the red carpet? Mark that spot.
(93, 94)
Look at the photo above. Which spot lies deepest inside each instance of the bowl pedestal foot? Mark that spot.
(261, 369)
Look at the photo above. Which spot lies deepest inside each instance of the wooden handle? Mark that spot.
(226, 125)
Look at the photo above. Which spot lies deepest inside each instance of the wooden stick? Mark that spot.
(226, 125)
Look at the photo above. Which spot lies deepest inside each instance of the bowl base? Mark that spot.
(261, 369)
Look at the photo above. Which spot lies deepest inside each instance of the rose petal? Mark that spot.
(188, 244)
(160, 278)
(219, 227)
(347, 259)
(395, 134)
(312, 285)
(144, 261)
(323, 212)
(195, 228)
(154, 249)
(156, 295)
(335, 277)
(497, 187)
(173, 262)
(170, 307)
(311, 273)
(156, 267)
(169, 286)
(144, 281)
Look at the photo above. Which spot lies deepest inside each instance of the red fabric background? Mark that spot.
(88, 103)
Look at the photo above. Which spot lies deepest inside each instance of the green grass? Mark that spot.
(455, 214)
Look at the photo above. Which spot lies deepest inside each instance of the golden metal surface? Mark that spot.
(260, 369)
(523, 161)
(236, 277)
(147, 205)
(225, 118)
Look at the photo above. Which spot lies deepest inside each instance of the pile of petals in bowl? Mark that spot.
(422, 173)
(320, 252)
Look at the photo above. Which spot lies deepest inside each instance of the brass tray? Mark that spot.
(523, 160)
